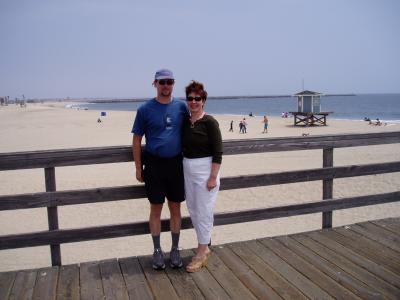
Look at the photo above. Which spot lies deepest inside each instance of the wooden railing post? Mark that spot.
(327, 186)
(52, 215)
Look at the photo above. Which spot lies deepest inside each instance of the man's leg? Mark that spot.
(176, 219)
(155, 229)
(175, 225)
(155, 218)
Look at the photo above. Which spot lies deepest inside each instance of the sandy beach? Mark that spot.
(51, 126)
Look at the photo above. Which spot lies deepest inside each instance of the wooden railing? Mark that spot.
(49, 160)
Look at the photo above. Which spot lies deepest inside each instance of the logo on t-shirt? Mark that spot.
(168, 122)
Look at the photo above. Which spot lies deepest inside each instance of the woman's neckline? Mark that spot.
(201, 117)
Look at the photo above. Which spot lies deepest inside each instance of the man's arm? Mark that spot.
(137, 155)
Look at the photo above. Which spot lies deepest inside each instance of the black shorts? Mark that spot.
(163, 177)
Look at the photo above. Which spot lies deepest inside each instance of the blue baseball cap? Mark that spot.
(164, 74)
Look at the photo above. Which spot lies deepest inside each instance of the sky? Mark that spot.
(103, 48)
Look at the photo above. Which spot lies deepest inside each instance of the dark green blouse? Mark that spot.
(202, 139)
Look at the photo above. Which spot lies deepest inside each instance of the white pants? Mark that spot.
(199, 200)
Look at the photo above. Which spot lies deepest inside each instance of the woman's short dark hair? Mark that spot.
(197, 88)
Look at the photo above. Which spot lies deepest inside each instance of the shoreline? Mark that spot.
(332, 117)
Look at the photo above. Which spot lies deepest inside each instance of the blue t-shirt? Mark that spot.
(161, 124)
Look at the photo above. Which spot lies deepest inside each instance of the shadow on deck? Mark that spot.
(351, 262)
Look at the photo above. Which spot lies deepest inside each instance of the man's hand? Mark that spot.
(137, 153)
(139, 175)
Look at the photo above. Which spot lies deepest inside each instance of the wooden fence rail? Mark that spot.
(51, 199)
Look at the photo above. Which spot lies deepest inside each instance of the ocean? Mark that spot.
(386, 107)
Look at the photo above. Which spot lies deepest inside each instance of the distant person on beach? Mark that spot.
(160, 167)
(231, 127)
(265, 121)
(244, 126)
(202, 156)
(241, 127)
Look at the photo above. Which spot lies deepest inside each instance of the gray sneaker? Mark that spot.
(175, 258)
(158, 259)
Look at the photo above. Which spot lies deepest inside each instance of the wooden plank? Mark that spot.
(46, 284)
(100, 155)
(90, 281)
(268, 274)
(6, 284)
(66, 157)
(354, 285)
(135, 280)
(158, 281)
(209, 287)
(371, 266)
(311, 272)
(82, 234)
(306, 286)
(379, 234)
(183, 283)
(119, 230)
(247, 276)
(382, 288)
(327, 173)
(372, 250)
(23, 285)
(73, 197)
(327, 186)
(229, 282)
(392, 221)
(52, 215)
(303, 208)
(113, 282)
(68, 282)
(388, 224)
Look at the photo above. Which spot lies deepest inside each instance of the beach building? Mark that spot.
(309, 109)
(308, 102)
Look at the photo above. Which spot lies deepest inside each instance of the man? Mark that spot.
(231, 127)
(160, 168)
(244, 127)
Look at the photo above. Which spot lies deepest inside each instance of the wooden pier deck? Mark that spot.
(360, 261)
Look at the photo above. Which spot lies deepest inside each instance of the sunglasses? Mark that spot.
(197, 98)
(166, 82)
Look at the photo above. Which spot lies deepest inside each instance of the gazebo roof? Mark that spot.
(307, 93)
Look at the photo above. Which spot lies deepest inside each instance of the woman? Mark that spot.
(202, 151)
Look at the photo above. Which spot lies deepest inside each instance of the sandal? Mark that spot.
(208, 253)
(197, 263)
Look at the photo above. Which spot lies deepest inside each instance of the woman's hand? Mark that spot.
(211, 183)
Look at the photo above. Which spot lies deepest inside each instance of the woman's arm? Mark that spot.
(216, 149)
(212, 181)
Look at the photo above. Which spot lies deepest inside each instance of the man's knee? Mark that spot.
(155, 210)
(174, 208)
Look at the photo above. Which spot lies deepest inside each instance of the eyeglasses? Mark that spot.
(197, 98)
(166, 81)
